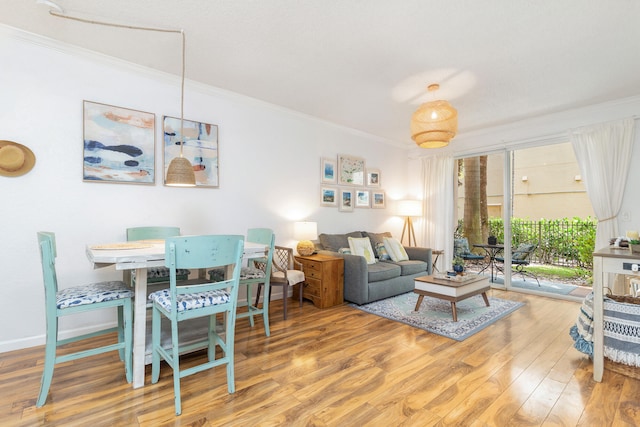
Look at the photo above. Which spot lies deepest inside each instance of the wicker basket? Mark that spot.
(627, 299)
(620, 368)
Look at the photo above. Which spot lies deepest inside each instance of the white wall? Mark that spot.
(269, 172)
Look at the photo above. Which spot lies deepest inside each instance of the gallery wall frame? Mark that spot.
(329, 196)
(351, 170)
(328, 170)
(373, 178)
(362, 199)
(346, 200)
(378, 200)
(200, 147)
(119, 144)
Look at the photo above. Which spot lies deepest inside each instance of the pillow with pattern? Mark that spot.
(395, 249)
(381, 251)
(362, 247)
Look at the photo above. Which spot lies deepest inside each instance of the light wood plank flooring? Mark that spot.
(343, 367)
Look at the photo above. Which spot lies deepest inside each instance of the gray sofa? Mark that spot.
(364, 283)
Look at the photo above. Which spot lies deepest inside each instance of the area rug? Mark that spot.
(435, 314)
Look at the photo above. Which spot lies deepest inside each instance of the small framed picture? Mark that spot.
(327, 171)
(362, 199)
(378, 199)
(346, 200)
(373, 178)
(328, 196)
(350, 170)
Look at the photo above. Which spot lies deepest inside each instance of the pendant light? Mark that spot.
(180, 171)
(434, 123)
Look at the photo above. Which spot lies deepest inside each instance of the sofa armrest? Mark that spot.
(356, 276)
(420, 254)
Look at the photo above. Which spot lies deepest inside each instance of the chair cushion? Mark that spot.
(93, 293)
(461, 246)
(362, 247)
(190, 301)
(251, 273)
(522, 252)
(395, 249)
(293, 276)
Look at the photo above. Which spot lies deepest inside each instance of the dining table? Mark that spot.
(139, 256)
(492, 251)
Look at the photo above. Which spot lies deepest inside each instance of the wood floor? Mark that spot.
(343, 367)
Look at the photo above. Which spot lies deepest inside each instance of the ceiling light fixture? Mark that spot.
(180, 171)
(434, 123)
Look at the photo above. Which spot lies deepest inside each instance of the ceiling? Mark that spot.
(365, 64)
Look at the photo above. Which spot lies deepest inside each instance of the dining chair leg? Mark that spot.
(249, 309)
(49, 361)
(265, 310)
(285, 297)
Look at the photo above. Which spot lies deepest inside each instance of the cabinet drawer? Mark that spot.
(312, 269)
(312, 287)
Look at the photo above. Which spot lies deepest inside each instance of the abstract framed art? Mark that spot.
(119, 144)
(199, 146)
(350, 170)
(328, 196)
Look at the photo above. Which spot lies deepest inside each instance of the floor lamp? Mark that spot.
(408, 209)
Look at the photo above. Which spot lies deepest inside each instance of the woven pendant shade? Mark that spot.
(180, 173)
(434, 123)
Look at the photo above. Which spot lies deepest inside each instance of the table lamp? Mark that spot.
(305, 232)
(407, 209)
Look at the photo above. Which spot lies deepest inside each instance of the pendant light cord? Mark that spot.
(135, 27)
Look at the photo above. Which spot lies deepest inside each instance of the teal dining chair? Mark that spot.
(257, 272)
(154, 274)
(180, 303)
(80, 299)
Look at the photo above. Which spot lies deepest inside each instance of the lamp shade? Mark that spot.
(410, 207)
(305, 232)
(434, 123)
(180, 173)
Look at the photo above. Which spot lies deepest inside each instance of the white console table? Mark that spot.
(605, 261)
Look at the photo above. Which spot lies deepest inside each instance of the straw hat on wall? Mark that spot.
(15, 159)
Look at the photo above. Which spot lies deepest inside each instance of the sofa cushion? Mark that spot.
(333, 242)
(362, 246)
(376, 237)
(381, 252)
(395, 249)
(383, 271)
(410, 267)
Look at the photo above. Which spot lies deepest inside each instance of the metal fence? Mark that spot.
(564, 242)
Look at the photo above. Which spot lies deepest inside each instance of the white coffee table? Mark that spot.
(451, 289)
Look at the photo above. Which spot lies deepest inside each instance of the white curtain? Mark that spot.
(438, 178)
(603, 152)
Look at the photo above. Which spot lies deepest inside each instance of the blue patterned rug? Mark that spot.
(435, 314)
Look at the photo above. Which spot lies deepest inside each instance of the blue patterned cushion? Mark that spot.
(251, 273)
(191, 301)
(344, 251)
(155, 272)
(381, 251)
(90, 294)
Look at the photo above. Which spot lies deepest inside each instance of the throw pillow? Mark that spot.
(344, 251)
(395, 249)
(522, 252)
(381, 251)
(362, 247)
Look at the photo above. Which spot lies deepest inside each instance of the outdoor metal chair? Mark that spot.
(520, 258)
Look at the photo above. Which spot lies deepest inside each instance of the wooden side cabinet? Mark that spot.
(324, 277)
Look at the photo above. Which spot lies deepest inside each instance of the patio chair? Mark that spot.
(461, 249)
(520, 258)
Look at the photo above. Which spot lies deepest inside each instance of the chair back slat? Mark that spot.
(47, 243)
(142, 233)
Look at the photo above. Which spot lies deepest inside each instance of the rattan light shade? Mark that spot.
(434, 123)
(180, 173)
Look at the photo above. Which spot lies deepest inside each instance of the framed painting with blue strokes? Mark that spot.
(119, 144)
